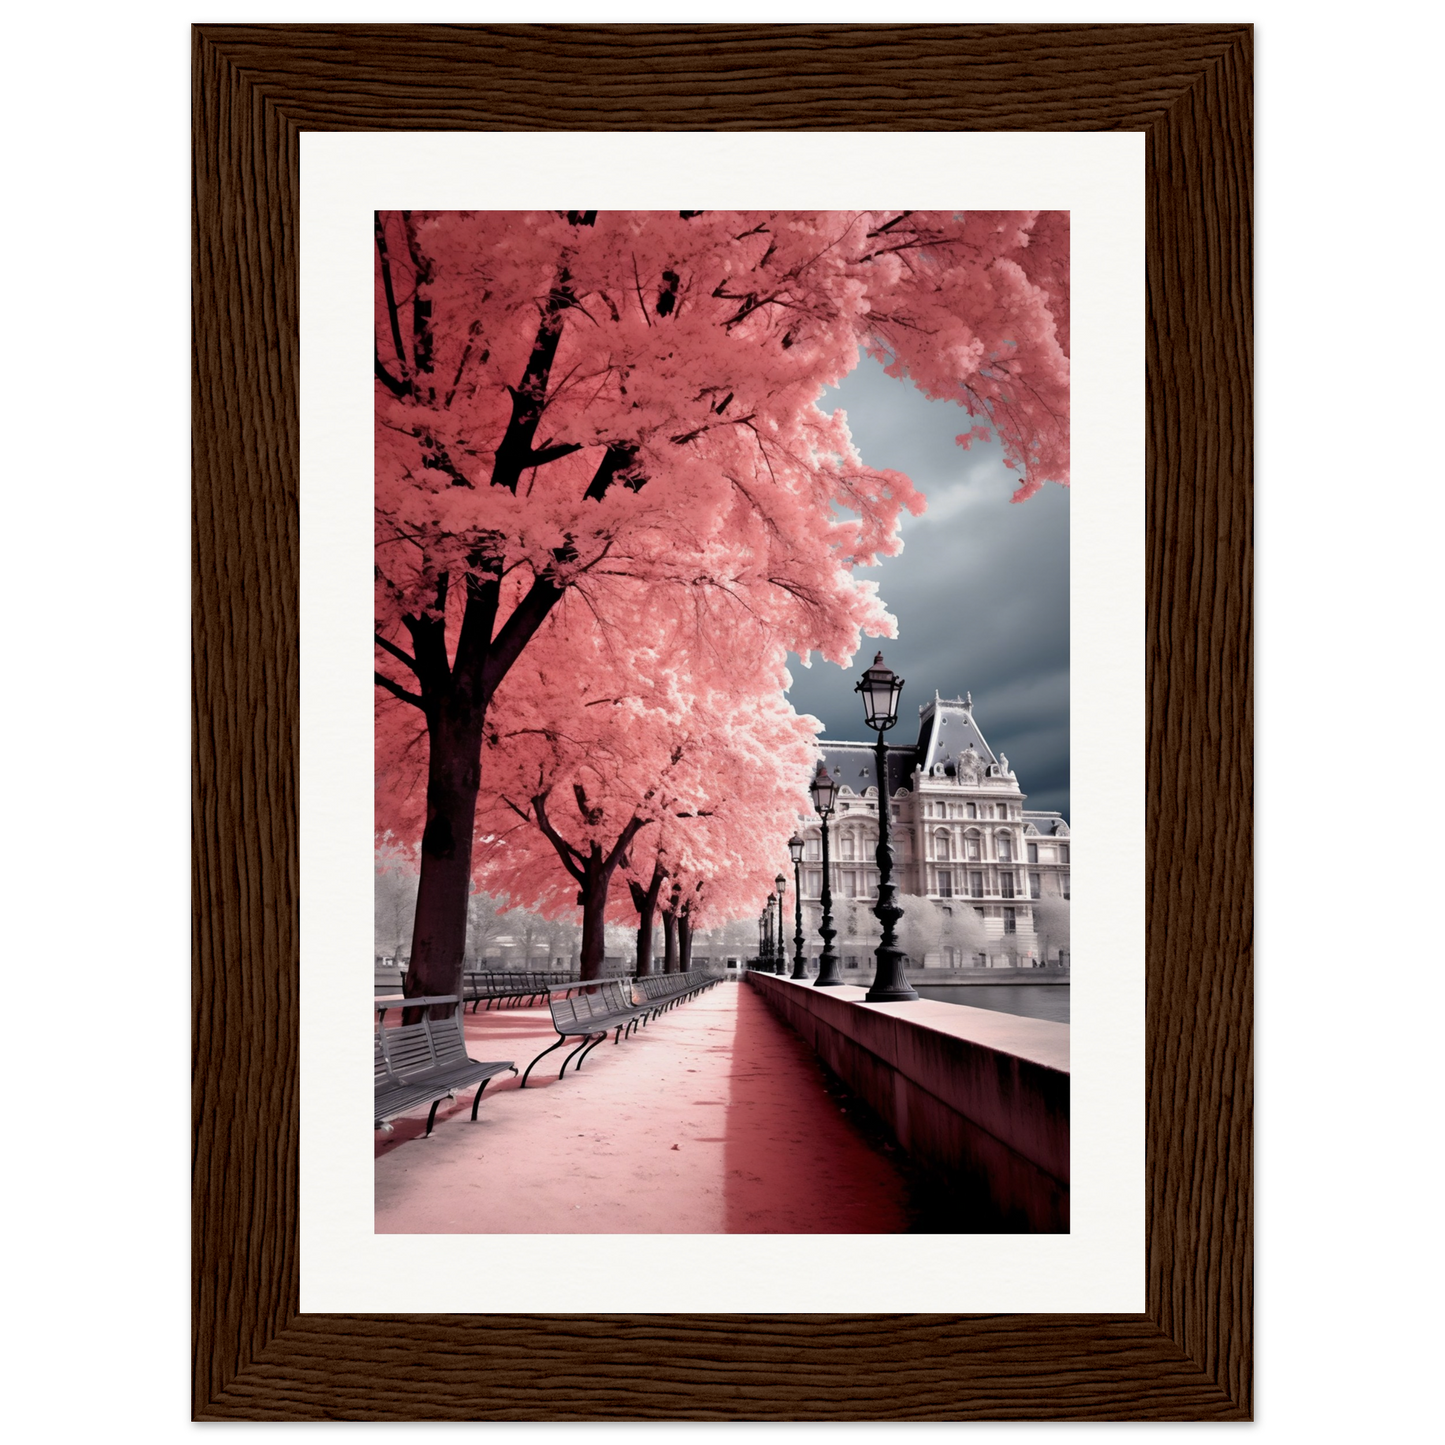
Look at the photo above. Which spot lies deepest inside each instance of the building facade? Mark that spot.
(962, 840)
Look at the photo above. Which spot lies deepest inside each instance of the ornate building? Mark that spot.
(962, 839)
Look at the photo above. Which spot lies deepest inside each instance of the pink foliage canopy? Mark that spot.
(702, 345)
(681, 487)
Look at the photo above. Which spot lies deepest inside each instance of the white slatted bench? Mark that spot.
(425, 1063)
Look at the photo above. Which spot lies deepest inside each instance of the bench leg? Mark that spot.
(561, 1039)
(587, 1043)
(591, 1044)
(478, 1099)
(432, 1117)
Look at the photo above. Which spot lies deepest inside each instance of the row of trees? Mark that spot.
(608, 506)
(494, 927)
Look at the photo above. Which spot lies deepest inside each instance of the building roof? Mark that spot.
(1047, 823)
(853, 765)
(947, 730)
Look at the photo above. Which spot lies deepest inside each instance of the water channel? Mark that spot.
(1032, 1000)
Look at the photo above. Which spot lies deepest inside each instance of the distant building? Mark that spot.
(961, 838)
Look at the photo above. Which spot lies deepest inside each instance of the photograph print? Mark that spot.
(722, 722)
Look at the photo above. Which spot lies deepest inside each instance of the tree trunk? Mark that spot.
(669, 941)
(439, 930)
(684, 938)
(594, 908)
(645, 901)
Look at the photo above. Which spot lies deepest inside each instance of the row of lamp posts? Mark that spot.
(881, 688)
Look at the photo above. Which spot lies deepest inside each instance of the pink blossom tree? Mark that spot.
(631, 760)
(565, 399)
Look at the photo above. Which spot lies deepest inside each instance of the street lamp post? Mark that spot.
(762, 942)
(880, 687)
(780, 948)
(795, 851)
(825, 793)
(768, 934)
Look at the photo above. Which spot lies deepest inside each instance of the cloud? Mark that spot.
(980, 590)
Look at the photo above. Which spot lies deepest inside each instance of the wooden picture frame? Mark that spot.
(1189, 1356)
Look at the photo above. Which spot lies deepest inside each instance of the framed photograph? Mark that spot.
(1130, 1270)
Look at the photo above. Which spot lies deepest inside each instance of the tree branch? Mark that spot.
(398, 690)
(618, 460)
(421, 334)
(565, 851)
(889, 225)
(396, 340)
(633, 828)
(517, 631)
(397, 653)
(514, 451)
(395, 387)
(473, 331)
(554, 453)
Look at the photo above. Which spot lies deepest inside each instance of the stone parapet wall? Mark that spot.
(979, 1098)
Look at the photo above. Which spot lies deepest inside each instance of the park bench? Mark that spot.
(660, 991)
(614, 1006)
(503, 986)
(427, 1062)
(590, 1015)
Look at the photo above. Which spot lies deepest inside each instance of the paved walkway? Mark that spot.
(713, 1119)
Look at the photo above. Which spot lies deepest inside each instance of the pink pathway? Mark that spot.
(714, 1119)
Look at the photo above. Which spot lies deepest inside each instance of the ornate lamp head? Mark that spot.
(824, 790)
(880, 687)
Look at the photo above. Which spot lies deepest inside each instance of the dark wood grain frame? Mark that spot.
(1189, 1356)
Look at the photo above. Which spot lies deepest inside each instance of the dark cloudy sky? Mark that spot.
(980, 590)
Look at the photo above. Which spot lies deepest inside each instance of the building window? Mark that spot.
(1006, 885)
(1010, 921)
(1033, 852)
(1035, 886)
(814, 850)
(945, 885)
(845, 847)
(1063, 855)
(972, 843)
(940, 847)
(975, 885)
(1005, 848)
(971, 811)
(850, 882)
